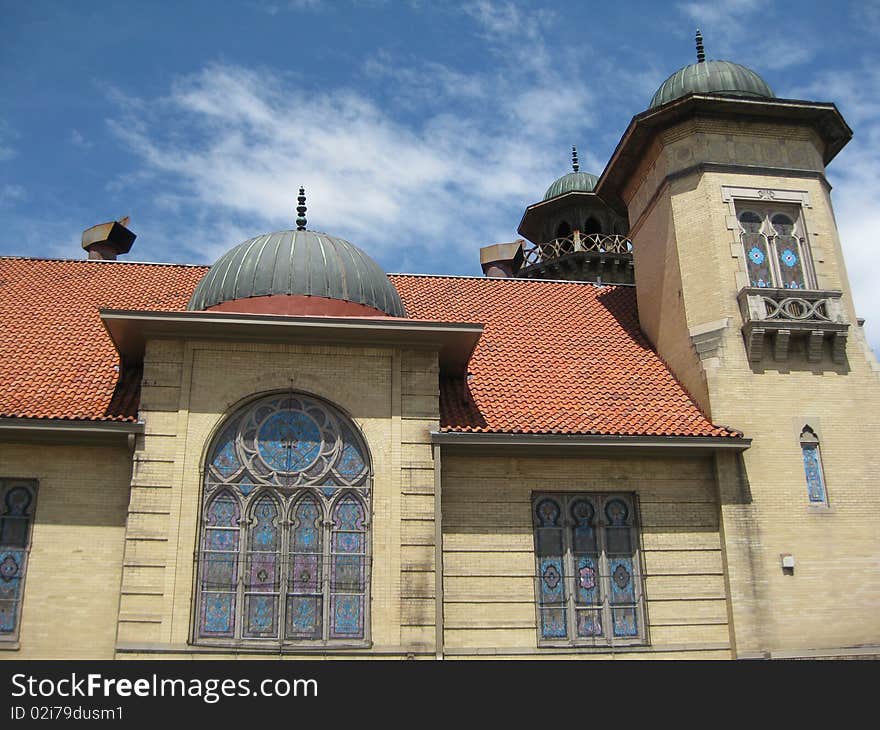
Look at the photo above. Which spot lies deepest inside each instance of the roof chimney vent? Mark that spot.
(106, 241)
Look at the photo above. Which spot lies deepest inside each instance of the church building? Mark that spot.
(639, 435)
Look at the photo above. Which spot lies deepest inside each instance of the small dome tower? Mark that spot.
(298, 272)
(573, 234)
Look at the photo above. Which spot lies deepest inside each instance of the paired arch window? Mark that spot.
(588, 582)
(777, 254)
(284, 555)
(17, 502)
(813, 466)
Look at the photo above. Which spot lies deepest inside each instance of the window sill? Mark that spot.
(10, 645)
(243, 647)
(814, 315)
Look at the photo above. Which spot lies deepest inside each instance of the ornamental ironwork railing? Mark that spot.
(539, 253)
(817, 315)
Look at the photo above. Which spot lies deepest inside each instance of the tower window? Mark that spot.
(284, 556)
(17, 500)
(776, 250)
(563, 230)
(813, 467)
(588, 583)
(591, 226)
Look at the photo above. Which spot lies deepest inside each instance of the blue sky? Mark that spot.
(420, 130)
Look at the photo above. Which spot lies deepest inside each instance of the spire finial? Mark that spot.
(574, 159)
(701, 52)
(301, 210)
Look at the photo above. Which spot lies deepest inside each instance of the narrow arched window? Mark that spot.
(812, 458)
(755, 245)
(17, 499)
(788, 252)
(563, 230)
(284, 555)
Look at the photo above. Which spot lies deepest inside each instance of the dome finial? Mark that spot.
(701, 52)
(301, 210)
(574, 159)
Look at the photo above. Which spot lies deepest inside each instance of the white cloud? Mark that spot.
(743, 31)
(77, 139)
(7, 137)
(854, 174)
(421, 190)
(11, 193)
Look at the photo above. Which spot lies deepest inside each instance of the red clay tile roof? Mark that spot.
(554, 357)
(56, 358)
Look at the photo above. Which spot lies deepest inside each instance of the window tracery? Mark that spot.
(284, 553)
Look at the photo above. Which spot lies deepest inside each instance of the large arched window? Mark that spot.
(284, 546)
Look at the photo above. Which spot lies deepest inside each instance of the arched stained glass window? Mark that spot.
(813, 466)
(788, 252)
(285, 549)
(17, 501)
(588, 581)
(755, 244)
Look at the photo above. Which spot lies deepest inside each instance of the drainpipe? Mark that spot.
(438, 553)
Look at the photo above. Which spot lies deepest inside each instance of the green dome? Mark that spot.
(712, 77)
(573, 182)
(297, 262)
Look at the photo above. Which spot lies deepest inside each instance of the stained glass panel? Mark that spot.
(589, 623)
(553, 624)
(755, 246)
(788, 253)
(347, 616)
(11, 562)
(220, 566)
(304, 617)
(16, 513)
(813, 471)
(625, 622)
(218, 616)
(347, 568)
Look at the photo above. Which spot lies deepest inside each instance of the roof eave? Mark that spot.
(824, 116)
(69, 431)
(454, 341)
(581, 442)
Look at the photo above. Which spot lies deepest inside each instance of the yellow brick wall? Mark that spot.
(489, 562)
(189, 387)
(830, 600)
(71, 595)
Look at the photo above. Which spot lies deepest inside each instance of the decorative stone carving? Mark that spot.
(813, 315)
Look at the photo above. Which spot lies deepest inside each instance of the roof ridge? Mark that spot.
(509, 278)
(103, 261)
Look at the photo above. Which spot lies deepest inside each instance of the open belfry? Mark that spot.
(640, 435)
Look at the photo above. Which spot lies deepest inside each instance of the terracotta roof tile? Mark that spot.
(57, 359)
(555, 357)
